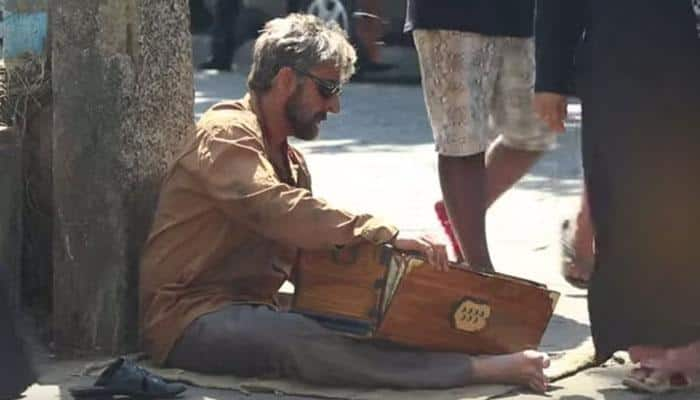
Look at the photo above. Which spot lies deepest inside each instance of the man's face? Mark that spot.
(309, 104)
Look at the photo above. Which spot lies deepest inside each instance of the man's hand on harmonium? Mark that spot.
(434, 250)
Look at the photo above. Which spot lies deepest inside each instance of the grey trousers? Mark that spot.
(252, 340)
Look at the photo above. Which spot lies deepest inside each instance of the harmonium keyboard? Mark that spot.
(378, 292)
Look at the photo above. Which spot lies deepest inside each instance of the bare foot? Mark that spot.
(523, 368)
(676, 359)
(641, 353)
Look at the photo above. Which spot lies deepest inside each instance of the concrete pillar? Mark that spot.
(123, 103)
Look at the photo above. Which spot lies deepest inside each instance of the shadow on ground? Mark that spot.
(564, 333)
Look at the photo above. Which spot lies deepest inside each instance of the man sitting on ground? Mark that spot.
(235, 211)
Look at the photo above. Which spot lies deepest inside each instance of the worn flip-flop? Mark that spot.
(124, 377)
(570, 260)
(646, 380)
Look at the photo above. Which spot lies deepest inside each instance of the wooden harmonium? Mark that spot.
(378, 292)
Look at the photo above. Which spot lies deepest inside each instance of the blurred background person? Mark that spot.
(369, 30)
(562, 68)
(223, 35)
(640, 146)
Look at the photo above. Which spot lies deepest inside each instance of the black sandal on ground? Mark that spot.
(124, 377)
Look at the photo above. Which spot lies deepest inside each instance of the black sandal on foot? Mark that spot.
(570, 260)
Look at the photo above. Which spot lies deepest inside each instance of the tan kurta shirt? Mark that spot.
(228, 229)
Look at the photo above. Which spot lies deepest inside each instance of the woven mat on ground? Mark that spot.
(563, 364)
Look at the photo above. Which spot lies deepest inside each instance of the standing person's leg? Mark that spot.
(467, 79)
(369, 29)
(257, 341)
(504, 167)
(458, 77)
(523, 138)
(223, 37)
(584, 236)
(577, 240)
(463, 184)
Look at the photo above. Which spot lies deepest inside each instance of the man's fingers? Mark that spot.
(432, 255)
(443, 260)
(429, 249)
(434, 251)
(437, 256)
(410, 244)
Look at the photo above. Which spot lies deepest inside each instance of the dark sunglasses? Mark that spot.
(327, 88)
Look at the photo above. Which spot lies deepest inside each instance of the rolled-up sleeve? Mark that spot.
(237, 176)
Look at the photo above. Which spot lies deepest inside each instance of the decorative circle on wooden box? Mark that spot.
(471, 315)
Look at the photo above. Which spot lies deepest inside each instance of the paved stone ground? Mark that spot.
(377, 156)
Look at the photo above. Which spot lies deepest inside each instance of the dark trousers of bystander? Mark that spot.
(641, 151)
(16, 372)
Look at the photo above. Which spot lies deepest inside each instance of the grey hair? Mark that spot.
(301, 41)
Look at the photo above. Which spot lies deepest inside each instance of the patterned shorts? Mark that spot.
(478, 87)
